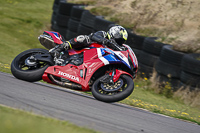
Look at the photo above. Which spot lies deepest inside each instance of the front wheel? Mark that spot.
(26, 68)
(113, 92)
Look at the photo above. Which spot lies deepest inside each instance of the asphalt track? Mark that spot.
(84, 110)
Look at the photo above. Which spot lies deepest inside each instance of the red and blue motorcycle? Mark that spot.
(107, 73)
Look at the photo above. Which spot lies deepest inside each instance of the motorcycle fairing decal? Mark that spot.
(105, 61)
(122, 57)
(56, 37)
(111, 57)
(68, 72)
(68, 76)
(100, 52)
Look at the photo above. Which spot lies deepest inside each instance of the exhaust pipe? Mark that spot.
(67, 85)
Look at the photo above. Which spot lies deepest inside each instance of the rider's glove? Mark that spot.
(105, 41)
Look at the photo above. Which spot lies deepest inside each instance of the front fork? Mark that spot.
(115, 75)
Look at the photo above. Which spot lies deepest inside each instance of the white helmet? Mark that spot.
(118, 33)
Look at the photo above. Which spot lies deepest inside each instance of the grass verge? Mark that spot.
(145, 97)
(23, 122)
(21, 23)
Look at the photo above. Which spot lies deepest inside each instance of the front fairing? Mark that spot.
(132, 58)
(114, 56)
(126, 57)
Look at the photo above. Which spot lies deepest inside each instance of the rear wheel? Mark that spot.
(113, 92)
(26, 68)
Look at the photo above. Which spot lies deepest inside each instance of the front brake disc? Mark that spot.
(109, 87)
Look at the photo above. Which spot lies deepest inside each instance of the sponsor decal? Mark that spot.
(68, 76)
(56, 35)
(99, 52)
(123, 57)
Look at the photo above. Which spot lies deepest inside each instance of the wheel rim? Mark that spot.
(112, 87)
(27, 62)
(108, 89)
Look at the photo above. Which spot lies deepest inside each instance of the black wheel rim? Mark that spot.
(101, 89)
(25, 63)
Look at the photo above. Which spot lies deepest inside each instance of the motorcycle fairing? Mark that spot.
(93, 59)
(73, 73)
(132, 56)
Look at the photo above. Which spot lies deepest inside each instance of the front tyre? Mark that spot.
(121, 89)
(25, 68)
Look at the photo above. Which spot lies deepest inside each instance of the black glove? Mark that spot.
(105, 41)
(99, 39)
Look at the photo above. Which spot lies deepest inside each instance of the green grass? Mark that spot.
(144, 97)
(17, 121)
(22, 21)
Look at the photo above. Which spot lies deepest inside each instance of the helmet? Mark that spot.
(118, 33)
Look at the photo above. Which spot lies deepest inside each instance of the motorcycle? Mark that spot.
(107, 73)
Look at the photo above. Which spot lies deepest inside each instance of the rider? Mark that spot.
(116, 35)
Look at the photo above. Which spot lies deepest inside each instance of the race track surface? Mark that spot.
(84, 110)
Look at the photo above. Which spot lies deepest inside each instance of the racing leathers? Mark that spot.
(82, 41)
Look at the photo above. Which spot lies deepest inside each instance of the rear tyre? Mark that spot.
(25, 69)
(115, 95)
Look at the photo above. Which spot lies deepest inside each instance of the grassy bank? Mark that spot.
(22, 21)
(22, 122)
(144, 96)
